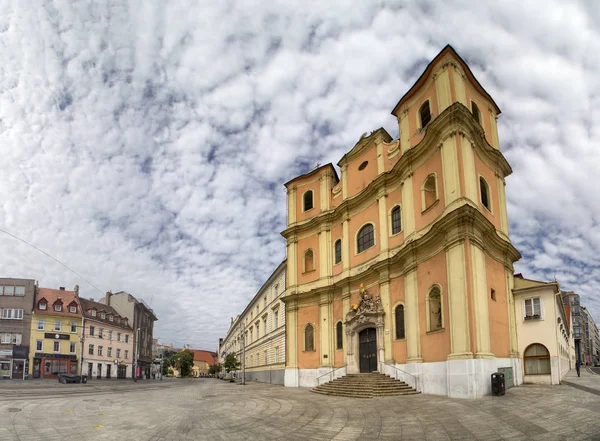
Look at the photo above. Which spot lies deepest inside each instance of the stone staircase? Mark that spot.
(365, 386)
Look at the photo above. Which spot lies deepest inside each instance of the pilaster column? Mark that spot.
(291, 344)
(404, 126)
(408, 206)
(325, 260)
(380, 157)
(411, 315)
(291, 205)
(344, 172)
(502, 205)
(450, 170)
(384, 294)
(512, 323)
(345, 244)
(457, 302)
(442, 87)
(494, 127)
(383, 220)
(459, 86)
(480, 302)
(345, 310)
(324, 330)
(324, 192)
(469, 174)
(292, 265)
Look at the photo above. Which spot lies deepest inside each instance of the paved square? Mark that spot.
(207, 409)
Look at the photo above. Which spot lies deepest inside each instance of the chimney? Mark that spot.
(107, 298)
(76, 290)
(62, 288)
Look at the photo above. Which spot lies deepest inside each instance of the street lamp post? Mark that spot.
(243, 356)
(136, 353)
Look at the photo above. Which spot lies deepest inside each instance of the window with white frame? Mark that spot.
(93, 313)
(110, 318)
(39, 345)
(57, 325)
(19, 291)
(42, 306)
(100, 332)
(109, 352)
(58, 307)
(100, 350)
(9, 290)
(110, 334)
(56, 346)
(533, 308)
(275, 319)
(12, 314)
(73, 309)
(103, 315)
(126, 354)
(91, 350)
(126, 338)
(5, 338)
(41, 323)
(16, 339)
(118, 353)
(73, 327)
(276, 354)
(72, 347)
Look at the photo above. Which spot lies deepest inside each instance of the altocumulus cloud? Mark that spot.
(146, 144)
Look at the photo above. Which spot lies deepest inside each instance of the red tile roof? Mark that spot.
(51, 296)
(206, 356)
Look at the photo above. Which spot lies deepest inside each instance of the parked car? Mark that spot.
(65, 378)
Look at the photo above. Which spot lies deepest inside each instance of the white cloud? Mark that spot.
(145, 144)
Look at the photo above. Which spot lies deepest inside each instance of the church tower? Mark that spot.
(405, 259)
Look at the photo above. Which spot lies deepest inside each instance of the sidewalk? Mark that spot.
(589, 381)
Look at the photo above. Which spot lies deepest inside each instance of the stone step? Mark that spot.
(365, 386)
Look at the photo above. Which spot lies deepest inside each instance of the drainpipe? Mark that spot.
(82, 343)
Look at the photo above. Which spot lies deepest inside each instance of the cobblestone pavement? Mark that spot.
(208, 409)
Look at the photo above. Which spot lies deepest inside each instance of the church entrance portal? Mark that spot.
(368, 350)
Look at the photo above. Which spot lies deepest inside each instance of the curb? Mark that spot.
(583, 388)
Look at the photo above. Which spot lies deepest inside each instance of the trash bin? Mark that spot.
(84, 378)
(498, 386)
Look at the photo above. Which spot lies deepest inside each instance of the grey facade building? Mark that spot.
(590, 338)
(17, 297)
(142, 317)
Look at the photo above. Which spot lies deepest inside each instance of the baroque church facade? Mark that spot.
(403, 264)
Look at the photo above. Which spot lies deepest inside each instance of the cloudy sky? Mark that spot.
(145, 145)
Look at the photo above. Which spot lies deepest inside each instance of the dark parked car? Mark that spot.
(70, 378)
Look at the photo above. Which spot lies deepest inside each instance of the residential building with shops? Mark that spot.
(107, 342)
(544, 336)
(590, 338)
(141, 317)
(257, 335)
(572, 303)
(16, 302)
(56, 329)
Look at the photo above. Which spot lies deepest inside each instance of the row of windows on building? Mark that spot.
(109, 351)
(254, 360)
(365, 238)
(257, 327)
(100, 334)
(11, 338)
(435, 322)
(56, 346)
(57, 306)
(11, 314)
(265, 303)
(41, 325)
(12, 290)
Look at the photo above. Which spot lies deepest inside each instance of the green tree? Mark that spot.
(183, 362)
(231, 363)
(215, 369)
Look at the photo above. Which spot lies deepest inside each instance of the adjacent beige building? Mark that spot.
(543, 328)
(257, 335)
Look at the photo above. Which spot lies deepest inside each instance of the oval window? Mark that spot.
(363, 165)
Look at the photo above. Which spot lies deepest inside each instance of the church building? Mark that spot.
(403, 264)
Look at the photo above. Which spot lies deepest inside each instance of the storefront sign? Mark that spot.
(56, 336)
(21, 352)
(6, 353)
(67, 357)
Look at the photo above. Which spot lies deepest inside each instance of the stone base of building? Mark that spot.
(274, 376)
(467, 378)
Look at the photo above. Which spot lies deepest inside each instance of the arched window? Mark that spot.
(425, 114)
(399, 322)
(434, 304)
(396, 221)
(339, 336)
(365, 238)
(309, 260)
(537, 360)
(309, 338)
(338, 251)
(485, 193)
(429, 192)
(308, 200)
(476, 112)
